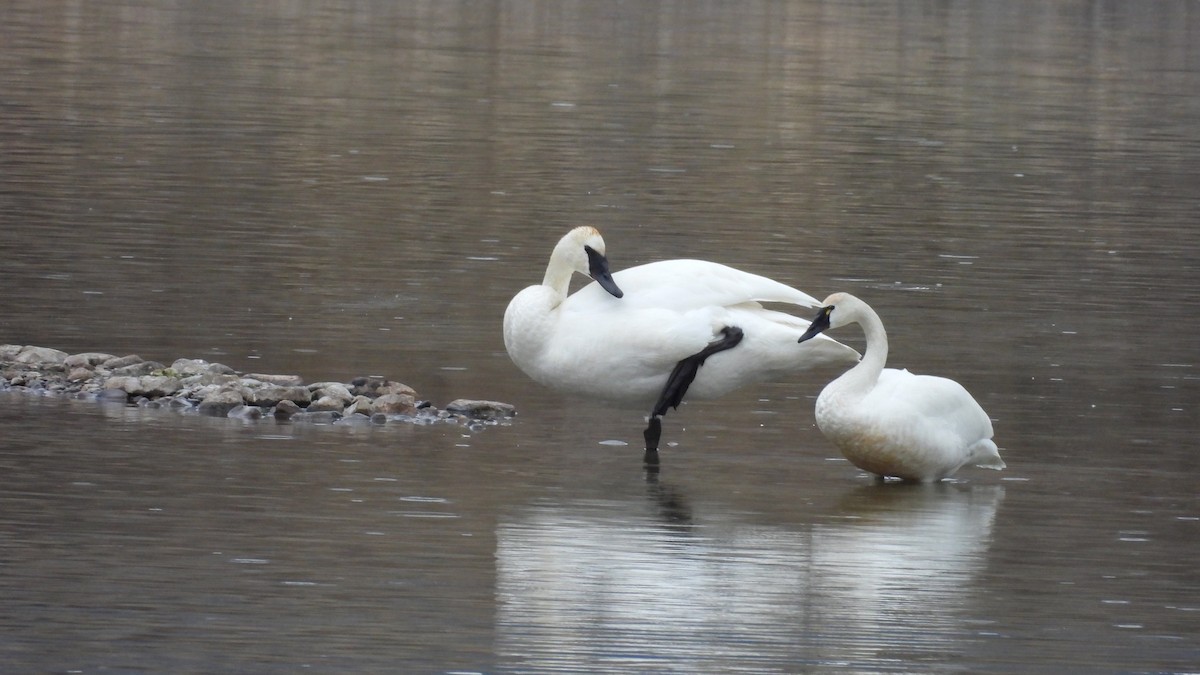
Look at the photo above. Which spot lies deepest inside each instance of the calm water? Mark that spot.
(339, 189)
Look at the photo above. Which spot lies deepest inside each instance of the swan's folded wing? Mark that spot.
(941, 401)
(684, 285)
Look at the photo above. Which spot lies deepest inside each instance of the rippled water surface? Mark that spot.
(343, 189)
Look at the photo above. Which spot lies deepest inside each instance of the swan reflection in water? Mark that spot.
(878, 578)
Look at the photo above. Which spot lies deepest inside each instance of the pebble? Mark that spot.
(198, 386)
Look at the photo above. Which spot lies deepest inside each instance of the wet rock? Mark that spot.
(116, 395)
(211, 378)
(87, 360)
(285, 409)
(190, 367)
(79, 374)
(122, 361)
(326, 417)
(216, 389)
(40, 356)
(481, 410)
(220, 402)
(158, 386)
(148, 385)
(326, 403)
(178, 403)
(375, 387)
(124, 383)
(360, 404)
(334, 390)
(277, 380)
(394, 404)
(245, 412)
(270, 395)
(138, 369)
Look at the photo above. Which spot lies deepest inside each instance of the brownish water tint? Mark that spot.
(340, 189)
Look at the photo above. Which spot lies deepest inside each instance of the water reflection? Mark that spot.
(634, 586)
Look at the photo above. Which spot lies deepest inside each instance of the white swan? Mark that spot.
(890, 422)
(646, 348)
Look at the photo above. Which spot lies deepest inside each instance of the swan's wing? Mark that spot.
(685, 285)
(941, 402)
(622, 354)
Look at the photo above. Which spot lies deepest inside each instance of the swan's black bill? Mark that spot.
(818, 325)
(598, 270)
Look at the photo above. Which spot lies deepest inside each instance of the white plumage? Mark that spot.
(623, 349)
(891, 422)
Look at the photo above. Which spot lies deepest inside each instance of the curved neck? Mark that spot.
(558, 279)
(866, 373)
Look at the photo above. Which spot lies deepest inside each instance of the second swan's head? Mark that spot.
(829, 317)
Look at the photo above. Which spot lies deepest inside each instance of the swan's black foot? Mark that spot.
(677, 385)
(652, 433)
(650, 459)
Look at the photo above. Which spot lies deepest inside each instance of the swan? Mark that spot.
(890, 422)
(638, 337)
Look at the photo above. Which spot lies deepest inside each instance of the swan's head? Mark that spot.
(582, 250)
(837, 310)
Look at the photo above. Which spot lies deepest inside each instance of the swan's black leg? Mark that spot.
(677, 385)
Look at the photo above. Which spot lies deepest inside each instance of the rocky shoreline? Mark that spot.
(200, 387)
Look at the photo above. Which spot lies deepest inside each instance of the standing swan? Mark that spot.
(892, 423)
(640, 336)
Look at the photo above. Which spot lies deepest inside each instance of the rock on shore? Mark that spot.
(198, 386)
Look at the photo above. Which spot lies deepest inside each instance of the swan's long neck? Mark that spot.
(862, 377)
(559, 270)
(558, 279)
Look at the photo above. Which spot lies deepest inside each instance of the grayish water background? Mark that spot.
(339, 189)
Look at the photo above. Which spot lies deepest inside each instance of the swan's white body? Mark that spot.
(622, 350)
(892, 423)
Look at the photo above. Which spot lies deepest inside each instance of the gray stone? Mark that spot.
(326, 403)
(270, 395)
(139, 368)
(187, 367)
(122, 361)
(375, 387)
(356, 418)
(481, 410)
(217, 378)
(394, 404)
(285, 409)
(333, 390)
(326, 417)
(219, 403)
(157, 386)
(9, 352)
(80, 374)
(116, 395)
(87, 359)
(360, 404)
(278, 380)
(125, 383)
(245, 412)
(153, 386)
(41, 356)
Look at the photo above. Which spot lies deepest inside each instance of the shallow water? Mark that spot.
(336, 190)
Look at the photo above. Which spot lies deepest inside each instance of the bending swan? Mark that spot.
(890, 422)
(640, 336)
